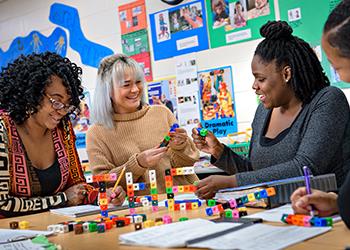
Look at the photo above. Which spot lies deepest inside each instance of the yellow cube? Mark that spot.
(103, 202)
(148, 223)
(179, 171)
(158, 223)
(194, 205)
(181, 189)
(251, 197)
(23, 224)
(153, 184)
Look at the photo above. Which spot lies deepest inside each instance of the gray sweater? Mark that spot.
(317, 138)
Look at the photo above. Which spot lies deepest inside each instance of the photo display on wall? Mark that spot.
(163, 92)
(217, 101)
(179, 30)
(233, 21)
(308, 25)
(133, 25)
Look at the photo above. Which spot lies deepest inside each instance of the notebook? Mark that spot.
(84, 210)
(284, 188)
(11, 235)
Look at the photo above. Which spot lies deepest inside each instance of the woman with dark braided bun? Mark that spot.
(336, 44)
(301, 120)
(39, 164)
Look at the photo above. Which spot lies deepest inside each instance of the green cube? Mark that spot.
(92, 227)
(183, 219)
(228, 213)
(169, 190)
(211, 203)
(154, 191)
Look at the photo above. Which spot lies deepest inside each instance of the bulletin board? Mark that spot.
(233, 21)
(179, 30)
(307, 19)
(132, 17)
(135, 42)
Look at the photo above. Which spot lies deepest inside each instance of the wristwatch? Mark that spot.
(172, 2)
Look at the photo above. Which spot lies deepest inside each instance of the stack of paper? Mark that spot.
(175, 234)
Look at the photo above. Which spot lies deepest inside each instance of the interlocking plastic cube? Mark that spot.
(232, 203)
(101, 228)
(138, 226)
(209, 211)
(167, 219)
(23, 224)
(149, 223)
(78, 229)
(183, 219)
(14, 224)
(228, 213)
(211, 203)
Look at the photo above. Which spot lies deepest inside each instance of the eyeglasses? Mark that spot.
(60, 106)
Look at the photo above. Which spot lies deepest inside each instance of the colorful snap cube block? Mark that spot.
(148, 223)
(101, 227)
(209, 211)
(138, 226)
(211, 203)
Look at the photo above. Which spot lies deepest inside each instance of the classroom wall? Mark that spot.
(100, 24)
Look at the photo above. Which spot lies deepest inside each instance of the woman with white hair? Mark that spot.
(127, 132)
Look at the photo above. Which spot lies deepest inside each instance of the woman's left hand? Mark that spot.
(207, 188)
(117, 198)
(178, 137)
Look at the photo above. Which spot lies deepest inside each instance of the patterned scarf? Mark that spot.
(23, 179)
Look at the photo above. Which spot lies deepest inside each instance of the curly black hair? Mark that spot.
(24, 81)
(338, 26)
(280, 46)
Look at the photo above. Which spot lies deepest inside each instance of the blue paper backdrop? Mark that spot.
(171, 25)
(35, 42)
(68, 17)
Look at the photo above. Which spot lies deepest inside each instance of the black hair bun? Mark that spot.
(276, 30)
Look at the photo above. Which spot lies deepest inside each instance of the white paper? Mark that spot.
(262, 236)
(275, 214)
(175, 234)
(21, 245)
(7, 235)
(82, 210)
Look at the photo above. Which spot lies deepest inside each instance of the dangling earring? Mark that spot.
(29, 111)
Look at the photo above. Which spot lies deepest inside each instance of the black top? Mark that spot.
(344, 201)
(49, 178)
(319, 138)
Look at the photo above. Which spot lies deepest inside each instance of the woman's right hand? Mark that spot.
(75, 194)
(208, 144)
(151, 157)
(324, 203)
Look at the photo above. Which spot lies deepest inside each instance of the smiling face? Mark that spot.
(47, 116)
(127, 96)
(340, 63)
(271, 84)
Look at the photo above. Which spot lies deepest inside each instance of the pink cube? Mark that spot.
(215, 210)
(154, 208)
(235, 213)
(167, 219)
(175, 189)
(233, 203)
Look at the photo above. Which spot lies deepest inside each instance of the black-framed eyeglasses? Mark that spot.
(61, 106)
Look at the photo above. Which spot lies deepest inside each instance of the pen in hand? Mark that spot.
(308, 186)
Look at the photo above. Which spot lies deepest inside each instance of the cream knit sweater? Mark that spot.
(109, 150)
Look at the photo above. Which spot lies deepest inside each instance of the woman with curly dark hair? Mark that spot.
(40, 168)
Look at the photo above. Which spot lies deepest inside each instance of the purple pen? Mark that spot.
(308, 185)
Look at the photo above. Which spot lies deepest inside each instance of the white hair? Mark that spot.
(110, 74)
